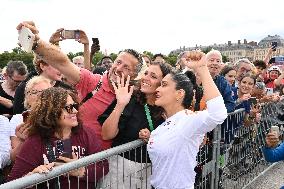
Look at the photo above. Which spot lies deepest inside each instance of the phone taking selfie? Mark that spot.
(95, 40)
(63, 148)
(71, 34)
(26, 39)
(269, 91)
(274, 45)
(253, 101)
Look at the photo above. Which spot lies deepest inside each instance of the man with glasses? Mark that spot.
(16, 72)
(242, 66)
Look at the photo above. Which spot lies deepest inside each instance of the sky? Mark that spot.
(159, 26)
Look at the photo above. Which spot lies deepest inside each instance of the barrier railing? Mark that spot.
(230, 158)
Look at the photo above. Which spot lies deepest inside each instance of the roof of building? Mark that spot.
(267, 40)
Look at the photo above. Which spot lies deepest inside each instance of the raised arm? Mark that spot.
(123, 94)
(83, 38)
(199, 65)
(268, 55)
(52, 55)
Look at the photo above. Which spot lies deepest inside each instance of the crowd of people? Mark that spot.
(87, 109)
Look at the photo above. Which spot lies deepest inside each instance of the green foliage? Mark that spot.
(172, 59)
(148, 54)
(113, 56)
(17, 54)
(97, 57)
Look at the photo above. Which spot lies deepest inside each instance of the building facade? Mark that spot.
(251, 50)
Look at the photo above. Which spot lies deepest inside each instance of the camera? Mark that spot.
(26, 39)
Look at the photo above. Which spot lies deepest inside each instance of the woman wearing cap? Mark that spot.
(275, 78)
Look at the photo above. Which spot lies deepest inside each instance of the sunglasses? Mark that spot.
(69, 108)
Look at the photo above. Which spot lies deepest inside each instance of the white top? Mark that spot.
(5, 141)
(15, 121)
(173, 145)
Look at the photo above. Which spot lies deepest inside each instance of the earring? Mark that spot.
(177, 99)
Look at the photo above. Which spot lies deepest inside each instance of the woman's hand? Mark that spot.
(144, 134)
(122, 91)
(42, 169)
(77, 172)
(197, 60)
(272, 140)
(22, 131)
(56, 36)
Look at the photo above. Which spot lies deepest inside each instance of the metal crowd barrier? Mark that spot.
(230, 158)
(240, 148)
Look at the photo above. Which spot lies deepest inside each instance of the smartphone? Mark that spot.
(71, 34)
(269, 91)
(274, 45)
(95, 40)
(25, 115)
(26, 39)
(275, 129)
(63, 148)
(253, 101)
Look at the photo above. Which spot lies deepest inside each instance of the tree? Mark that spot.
(17, 54)
(148, 54)
(172, 59)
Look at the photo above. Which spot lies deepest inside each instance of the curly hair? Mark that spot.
(43, 118)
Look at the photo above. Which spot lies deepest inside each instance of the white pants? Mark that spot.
(126, 174)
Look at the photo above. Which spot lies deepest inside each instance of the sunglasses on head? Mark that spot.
(69, 108)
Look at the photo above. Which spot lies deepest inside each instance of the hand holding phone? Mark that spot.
(95, 46)
(63, 148)
(253, 100)
(274, 45)
(26, 39)
(272, 138)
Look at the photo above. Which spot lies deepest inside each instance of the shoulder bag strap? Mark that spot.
(92, 93)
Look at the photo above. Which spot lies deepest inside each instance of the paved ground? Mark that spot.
(271, 179)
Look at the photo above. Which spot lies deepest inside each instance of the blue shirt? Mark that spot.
(226, 91)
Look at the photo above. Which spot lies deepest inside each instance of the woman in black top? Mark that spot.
(127, 115)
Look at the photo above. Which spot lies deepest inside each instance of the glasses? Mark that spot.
(16, 81)
(34, 92)
(69, 108)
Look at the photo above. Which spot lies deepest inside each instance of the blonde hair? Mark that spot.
(35, 81)
(78, 58)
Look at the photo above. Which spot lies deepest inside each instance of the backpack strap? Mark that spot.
(92, 93)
